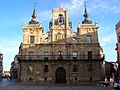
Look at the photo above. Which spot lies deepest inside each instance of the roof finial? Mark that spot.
(34, 15)
(86, 20)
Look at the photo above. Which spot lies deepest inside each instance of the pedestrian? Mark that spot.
(106, 82)
(8, 78)
(116, 85)
(111, 81)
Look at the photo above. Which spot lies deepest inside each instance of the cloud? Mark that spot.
(9, 48)
(108, 39)
(10, 45)
(105, 5)
(115, 9)
(44, 15)
(111, 55)
(73, 6)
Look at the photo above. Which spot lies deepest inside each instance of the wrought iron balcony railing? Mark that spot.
(60, 57)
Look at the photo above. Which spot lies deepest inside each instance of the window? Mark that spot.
(45, 68)
(118, 56)
(31, 53)
(60, 55)
(119, 38)
(75, 78)
(32, 39)
(89, 54)
(74, 68)
(88, 39)
(45, 79)
(74, 55)
(90, 67)
(45, 55)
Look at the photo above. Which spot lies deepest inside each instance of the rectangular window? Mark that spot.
(89, 54)
(118, 56)
(45, 68)
(46, 56)
(74, 55)
(90, 67)
(45, 79)
(74, 68)
(32, 39)
(88, 39)
(31, 55)
(118, 38)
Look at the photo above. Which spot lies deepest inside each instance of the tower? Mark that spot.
(60, 26)
(88, 32)
(33, 31)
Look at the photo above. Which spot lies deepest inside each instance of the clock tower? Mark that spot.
(60, 26)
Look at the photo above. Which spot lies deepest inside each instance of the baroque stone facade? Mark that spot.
(60, 55)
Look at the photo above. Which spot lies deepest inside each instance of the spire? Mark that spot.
(34, 15)
(86, 20)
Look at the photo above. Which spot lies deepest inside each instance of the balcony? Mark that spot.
(61, 57)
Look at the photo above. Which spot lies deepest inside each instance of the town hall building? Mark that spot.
(60, 55)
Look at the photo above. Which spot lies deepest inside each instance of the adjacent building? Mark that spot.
(118, 47)
(111, 69)
(1, 66)
(60, 55)
(14, 67)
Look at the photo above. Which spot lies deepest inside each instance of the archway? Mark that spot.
(60, 75)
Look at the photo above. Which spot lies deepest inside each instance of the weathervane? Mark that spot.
(85, 2)
(35, 4)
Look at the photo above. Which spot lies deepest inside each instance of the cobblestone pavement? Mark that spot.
(13, 85)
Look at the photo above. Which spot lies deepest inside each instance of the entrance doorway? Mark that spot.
(60, 75)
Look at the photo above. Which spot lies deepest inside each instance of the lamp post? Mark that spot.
(1, 60)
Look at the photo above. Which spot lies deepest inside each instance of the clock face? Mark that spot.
(60, 20)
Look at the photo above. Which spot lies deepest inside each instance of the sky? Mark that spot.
(13, 14)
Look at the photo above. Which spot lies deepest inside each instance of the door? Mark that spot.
(60, 75)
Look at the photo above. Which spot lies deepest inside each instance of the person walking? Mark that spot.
(116, 86)
(8, 78)
(111, 83)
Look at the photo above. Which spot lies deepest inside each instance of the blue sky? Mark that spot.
(13, 13)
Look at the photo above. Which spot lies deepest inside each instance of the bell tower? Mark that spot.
(32, 32)
(60, 26)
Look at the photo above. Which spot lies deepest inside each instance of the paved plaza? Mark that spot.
(13, 85)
